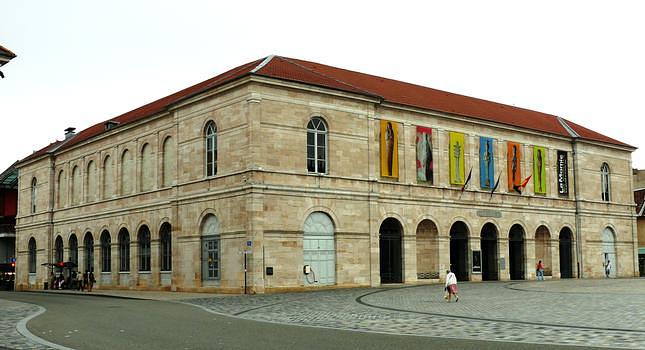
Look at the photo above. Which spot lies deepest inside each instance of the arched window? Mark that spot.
(127, 176)
(61, 189)
(32, 255)
(147, 168)
(108, 178)
(73, 249)
(604, 182)
(91, 182)
(144, 248)
(34, 183)
(76, 185)
(317, 146)
(58, 250)
(165, 235)
(169, 162)
(124, 250)
(210, 248)
(106, 252)
(88, 242)
(210, 134)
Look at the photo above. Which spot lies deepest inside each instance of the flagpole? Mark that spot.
(499, 176)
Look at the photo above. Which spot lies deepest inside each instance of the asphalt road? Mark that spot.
(88, 322)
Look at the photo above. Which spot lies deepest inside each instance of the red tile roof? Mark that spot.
(387, 90)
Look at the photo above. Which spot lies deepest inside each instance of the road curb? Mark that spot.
(21, 327)
(87, 294)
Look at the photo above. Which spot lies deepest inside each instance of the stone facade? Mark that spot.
(639, 198)
(263, 193)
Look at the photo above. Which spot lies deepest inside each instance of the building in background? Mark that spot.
(5, 57)
(639, 199)
(285, 174)
(8, 209)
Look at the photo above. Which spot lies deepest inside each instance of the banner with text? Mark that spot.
(563, 173)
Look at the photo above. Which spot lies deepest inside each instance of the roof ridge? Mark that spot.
(568, 128)
(61, 144)
(262, 64)
(332, 78)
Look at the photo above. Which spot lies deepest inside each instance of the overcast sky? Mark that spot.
(83, 62)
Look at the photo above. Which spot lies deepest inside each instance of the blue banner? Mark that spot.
(486, 162)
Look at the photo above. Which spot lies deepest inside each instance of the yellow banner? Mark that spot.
(389, 149)
(456, 154)
(539, 170)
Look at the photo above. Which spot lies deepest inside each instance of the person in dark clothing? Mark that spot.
(91, 280)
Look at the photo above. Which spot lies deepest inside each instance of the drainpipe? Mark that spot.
(577, 199)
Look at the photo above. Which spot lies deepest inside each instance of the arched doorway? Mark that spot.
(427, 250)
(609, 250)
(319, 248)
(566, 253)
(459, 250)
(390, 251)
(490, 270)
(543, 249)
(516, 252)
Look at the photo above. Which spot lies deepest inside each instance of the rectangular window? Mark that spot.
(124, 263)
(106, 258)
(166, 256)
(211, 254)
(144, 257)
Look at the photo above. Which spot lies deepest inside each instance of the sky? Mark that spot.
(83, 62)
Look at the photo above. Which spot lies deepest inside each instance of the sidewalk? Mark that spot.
(133, 294)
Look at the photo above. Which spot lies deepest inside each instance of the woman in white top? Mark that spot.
(451, 285)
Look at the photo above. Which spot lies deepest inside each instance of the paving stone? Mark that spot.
(12, 313)
(605, 313)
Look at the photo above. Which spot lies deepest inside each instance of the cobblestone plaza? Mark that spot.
(589, 313)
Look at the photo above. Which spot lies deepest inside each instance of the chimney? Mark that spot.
(69, 132)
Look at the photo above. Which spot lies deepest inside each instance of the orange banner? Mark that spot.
(514, 164)
(389, 149)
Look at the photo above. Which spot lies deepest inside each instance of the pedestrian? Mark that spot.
(79, 281)
(539, 271)
(86, 281)
(608, 268)
(91, 281)
(451, 285)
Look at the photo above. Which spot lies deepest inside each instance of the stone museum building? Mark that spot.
(283, 174)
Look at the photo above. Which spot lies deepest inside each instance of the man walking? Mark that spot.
(608, 268)
(451, 285)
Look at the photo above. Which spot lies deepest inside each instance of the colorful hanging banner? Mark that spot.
(456, 154)
(539, 170)
(514, 154)
(389, 149)
(563, 173)
(486, 162)
(425, 165)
